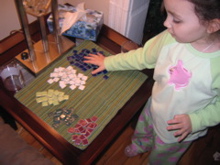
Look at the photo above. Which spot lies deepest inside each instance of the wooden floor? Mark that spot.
(33, 142)
(115, 154)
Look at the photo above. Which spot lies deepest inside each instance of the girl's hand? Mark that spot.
(96, 60)
(182, 124)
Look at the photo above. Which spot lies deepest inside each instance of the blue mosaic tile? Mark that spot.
(77, 58)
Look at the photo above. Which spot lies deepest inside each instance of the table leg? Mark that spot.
(8, 118)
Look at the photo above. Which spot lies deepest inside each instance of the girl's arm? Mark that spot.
(210, 115)
(138, 59)
(196, 121)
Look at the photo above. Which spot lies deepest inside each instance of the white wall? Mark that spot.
(9, 19)
(7, 10)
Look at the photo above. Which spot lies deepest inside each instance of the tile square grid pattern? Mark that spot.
(102, 97)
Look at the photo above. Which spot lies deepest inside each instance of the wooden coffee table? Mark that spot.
(63, 150)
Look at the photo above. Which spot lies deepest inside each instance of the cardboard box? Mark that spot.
(87, 27)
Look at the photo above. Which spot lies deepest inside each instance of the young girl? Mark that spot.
(185, 97)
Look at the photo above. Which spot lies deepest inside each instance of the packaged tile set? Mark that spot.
(78, 22)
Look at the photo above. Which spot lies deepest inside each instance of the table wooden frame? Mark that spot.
(63, 150)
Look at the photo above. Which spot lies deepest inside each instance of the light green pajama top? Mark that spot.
(186, 82)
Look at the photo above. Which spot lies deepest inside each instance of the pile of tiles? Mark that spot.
(82, 130)
(68, 76)
(51, 97)
(63, 115)
(78, 57)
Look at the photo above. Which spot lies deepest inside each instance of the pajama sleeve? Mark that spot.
(141, 58)
(210, 115)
